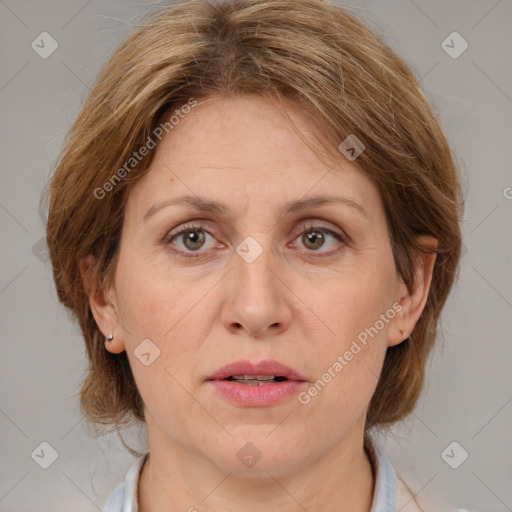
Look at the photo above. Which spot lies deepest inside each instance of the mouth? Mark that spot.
(262, 384)
(257, 373)
(256, 380)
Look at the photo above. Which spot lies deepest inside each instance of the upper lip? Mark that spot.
(268, 367)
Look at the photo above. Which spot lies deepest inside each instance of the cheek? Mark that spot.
(352, 300)
(161, 318)
(151, 298)
(357, 309)
(173, 314)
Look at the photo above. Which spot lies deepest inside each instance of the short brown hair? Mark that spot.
(311, 51)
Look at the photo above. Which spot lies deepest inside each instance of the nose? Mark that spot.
(257, 298)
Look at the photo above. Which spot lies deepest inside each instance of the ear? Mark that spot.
(413, 302)
(103, 305)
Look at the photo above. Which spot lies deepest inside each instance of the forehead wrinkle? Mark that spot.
(217, 208)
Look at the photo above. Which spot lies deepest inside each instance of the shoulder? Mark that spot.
(405, 499)
(116, 500)
(421, 501)
(392, 493)
(124, 497)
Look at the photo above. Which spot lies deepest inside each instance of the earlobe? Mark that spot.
(102, 308)
(413, 301)
(114, 346)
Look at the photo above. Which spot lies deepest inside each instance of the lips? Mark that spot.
(263, 384)
(259, 373)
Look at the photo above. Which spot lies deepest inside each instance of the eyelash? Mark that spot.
(198, 254)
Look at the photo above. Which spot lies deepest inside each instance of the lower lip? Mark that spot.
(257, 396)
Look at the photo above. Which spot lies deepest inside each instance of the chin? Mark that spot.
(255, 451)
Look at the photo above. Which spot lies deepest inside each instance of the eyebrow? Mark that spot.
(214, 207)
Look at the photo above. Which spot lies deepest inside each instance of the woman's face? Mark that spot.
(263, 276)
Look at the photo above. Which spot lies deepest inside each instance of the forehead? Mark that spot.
(242, 150)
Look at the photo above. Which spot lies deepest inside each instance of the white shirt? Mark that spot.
(390, 493)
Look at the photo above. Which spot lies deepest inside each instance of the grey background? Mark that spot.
(468, 394)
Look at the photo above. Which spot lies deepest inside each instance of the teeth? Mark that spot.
(254, 377)
(254, 380)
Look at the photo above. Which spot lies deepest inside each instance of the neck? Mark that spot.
(175, 479)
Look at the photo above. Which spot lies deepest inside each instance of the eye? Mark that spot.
(314, 238)
(192, 238)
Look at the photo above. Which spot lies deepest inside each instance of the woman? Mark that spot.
(255, 220)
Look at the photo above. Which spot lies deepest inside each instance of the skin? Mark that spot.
(290, 304)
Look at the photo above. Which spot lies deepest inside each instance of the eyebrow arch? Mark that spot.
(214, 207)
